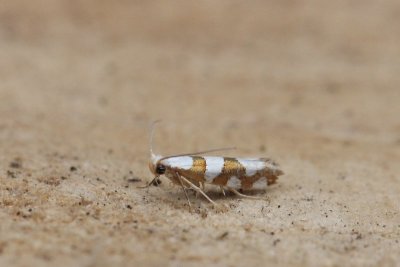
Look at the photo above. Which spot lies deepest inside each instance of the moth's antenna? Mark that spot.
(199, 153)
(152, 126)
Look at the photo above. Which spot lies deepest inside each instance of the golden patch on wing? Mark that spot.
(232, 167)
(197, 171)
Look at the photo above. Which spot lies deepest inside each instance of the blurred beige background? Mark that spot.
(311, 84)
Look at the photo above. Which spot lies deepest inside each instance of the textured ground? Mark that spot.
(312, 84)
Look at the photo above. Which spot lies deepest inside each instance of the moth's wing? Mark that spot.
(214, 167)
(257, 164)
(180, 162)
(260, 172)
(191, 168)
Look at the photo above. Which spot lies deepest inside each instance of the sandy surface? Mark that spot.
(311, 84)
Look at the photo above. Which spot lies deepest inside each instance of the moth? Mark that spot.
(193, 171)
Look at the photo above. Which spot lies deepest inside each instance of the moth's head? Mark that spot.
(155, 165)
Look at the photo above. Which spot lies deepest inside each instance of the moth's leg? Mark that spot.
(184, 190)
(245, 196)
(222, 190)
(198, 190)
(152, 181)
(201, 185)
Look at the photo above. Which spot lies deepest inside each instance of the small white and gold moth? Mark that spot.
(192, 171)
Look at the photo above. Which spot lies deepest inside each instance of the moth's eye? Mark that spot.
(160, 169)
